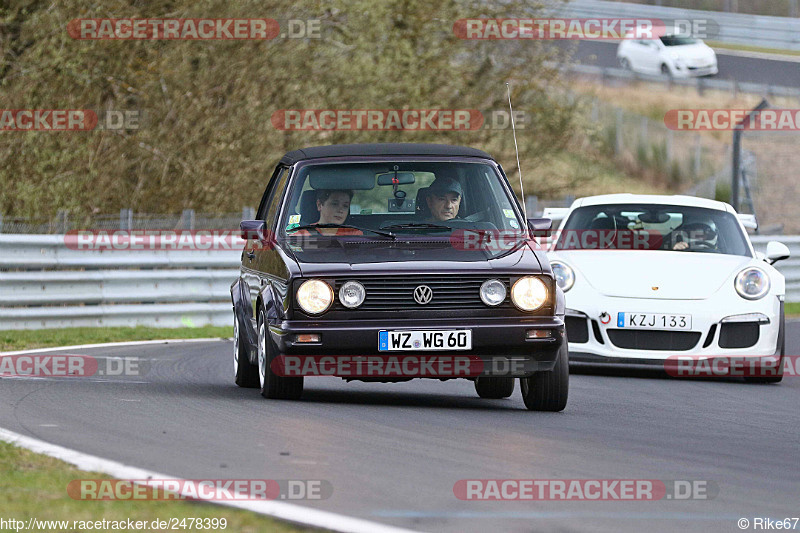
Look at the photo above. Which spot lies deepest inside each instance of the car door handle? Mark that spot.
(251, 255)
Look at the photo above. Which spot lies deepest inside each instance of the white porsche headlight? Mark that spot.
(529, 293)
(565, 276)
(752, 283)
(314, 296)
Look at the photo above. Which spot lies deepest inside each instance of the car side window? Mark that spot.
(262, 206)
(270, 209)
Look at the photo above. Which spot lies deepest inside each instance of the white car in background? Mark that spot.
(651, 277)
(670, 55)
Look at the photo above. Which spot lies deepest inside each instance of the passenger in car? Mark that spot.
(334, 207)
(443, 199)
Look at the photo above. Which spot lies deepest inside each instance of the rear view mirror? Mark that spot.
(654, 217)
(403, 178)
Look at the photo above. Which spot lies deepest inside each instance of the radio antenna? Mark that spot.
(519, 168)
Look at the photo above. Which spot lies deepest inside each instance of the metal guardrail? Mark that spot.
(701, 84)
(790, 268)
(43, 284)
(734, 28)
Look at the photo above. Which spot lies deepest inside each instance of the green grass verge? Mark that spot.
(792, 309)
(43, 338)
(35, 486)
(748, 48)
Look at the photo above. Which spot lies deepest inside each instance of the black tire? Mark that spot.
(245, 373)
(548, 391)
(771, 379)
(272, 385)
(665, 71)
(624, 63)
(494, 387)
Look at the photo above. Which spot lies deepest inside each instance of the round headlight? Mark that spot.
(352, 294)
(752, 283)
(529, 293)
(493, 292)
(314, 296)
(565, 277)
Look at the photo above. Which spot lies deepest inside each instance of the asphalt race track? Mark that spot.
(731, 67)
(393, 452)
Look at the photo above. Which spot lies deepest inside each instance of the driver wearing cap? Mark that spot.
(444, 199)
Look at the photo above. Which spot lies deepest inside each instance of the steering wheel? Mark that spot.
(702, 245)
(477, 217)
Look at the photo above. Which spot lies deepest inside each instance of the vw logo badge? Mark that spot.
(423, 295)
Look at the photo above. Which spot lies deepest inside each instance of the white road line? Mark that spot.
(111, 345)
(285, 511)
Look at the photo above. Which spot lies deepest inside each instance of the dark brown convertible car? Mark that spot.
(387, 262)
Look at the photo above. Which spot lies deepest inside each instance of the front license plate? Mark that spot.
(654, 321)
(424, 340)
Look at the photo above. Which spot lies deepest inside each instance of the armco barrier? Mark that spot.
(43, 284)
(734, 28)
(788, 267)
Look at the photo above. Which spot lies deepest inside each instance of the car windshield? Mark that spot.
(404, 201)
(653, 227)
(674, 40)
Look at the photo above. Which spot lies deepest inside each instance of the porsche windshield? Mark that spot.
(429, 198)
(653, 227)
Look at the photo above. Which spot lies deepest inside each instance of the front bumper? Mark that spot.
(694, 72)
(500, 343)
(708, 337)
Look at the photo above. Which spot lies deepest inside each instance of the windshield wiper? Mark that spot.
(419, 225)
(347, 226)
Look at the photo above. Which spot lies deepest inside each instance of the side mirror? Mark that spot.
(253, 229)
(540, 228)
(776, 251)
(540, 224)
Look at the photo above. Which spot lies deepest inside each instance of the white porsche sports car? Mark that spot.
(647, 278)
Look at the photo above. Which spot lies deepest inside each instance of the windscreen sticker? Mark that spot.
(508, 213)
(294, 219)
(514, 224)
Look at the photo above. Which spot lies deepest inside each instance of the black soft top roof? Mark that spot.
(379, 149)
